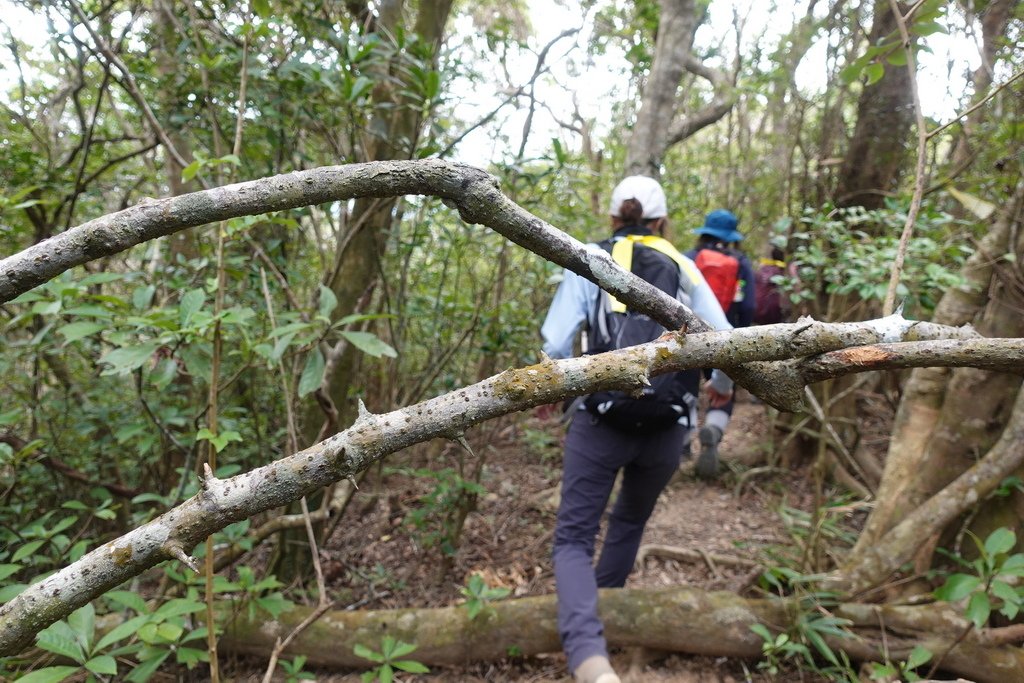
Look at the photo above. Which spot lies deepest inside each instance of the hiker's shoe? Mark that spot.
(596, 669)
(707, 462)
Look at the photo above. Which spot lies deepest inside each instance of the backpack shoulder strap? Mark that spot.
(622, 254)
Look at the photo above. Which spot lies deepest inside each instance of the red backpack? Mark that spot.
(721, 270)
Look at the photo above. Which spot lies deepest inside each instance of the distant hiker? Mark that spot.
(612, 431)
(731, 276)
(772, 305)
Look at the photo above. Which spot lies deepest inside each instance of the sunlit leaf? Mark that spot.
(128, 358)
(369, 344)
(312, 373)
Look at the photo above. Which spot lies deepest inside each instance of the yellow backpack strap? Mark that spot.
(665, 247)
(622, 253)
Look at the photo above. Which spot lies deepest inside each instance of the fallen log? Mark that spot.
(683, 620)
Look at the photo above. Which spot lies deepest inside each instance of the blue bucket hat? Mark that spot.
(721, 225)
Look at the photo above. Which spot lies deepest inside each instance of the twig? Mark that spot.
(282, 644)
(236, 149)
(919, 173)
(836, 440)
(754, 472)
(689, 555)
(710, 563)
(967, 112)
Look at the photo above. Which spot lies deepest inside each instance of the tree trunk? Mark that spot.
(943, 410)
(649, 139)
(994, 21)
(392, 134)
(877, 153)
(687, 620)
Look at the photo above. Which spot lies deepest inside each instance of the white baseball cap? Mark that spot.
(645, 190)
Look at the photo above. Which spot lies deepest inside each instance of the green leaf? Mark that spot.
(27, 550)
(897, 57)
(361, 650)
(104, 665)
(190, 303)
(230, 159)
(918, 656)
(128, 358)
(328, 301)
(11, 591)
(874, 73)
(361, 85)
(121, 632)
(432, 85)
(261, 8)
(312, 374)
(401, 649)
(369, 343)
(927, 28)
(197, 362)
(191, 657)
(83, 622)
(957, 587)
(7, 570)
(1005, 592)
(274, 604)
(178, 607)
(411, 666)
(762, 631)
(51, 674)
(978, 609)
(75, 331)
(1000, 541)
(190, 171)
(60, 645)
(169, 631)
(143, 671)
(143, 296)
(46, 307)
(219, 441)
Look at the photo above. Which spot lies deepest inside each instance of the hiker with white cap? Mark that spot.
(610, 431)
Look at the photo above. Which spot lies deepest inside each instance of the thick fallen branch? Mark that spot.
(686, 620)
(222, 502)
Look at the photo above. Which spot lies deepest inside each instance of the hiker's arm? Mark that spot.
(706, 306)
(745, 312)
(568, 311)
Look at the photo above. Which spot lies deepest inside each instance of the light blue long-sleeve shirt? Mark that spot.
(577, 297)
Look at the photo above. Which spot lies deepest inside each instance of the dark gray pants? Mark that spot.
(594, 453)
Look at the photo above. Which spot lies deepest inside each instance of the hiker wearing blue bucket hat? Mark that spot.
(731, 277)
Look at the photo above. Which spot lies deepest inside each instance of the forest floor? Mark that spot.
(379, 559)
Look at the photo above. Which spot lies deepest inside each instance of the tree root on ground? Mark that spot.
(683, 620)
